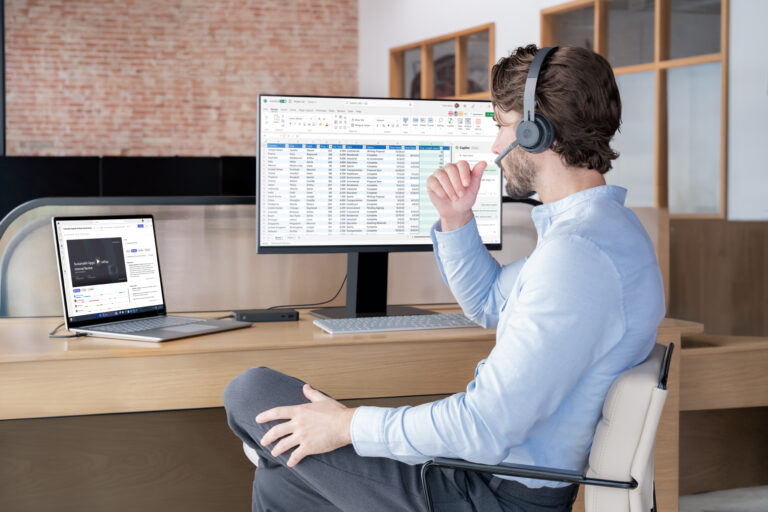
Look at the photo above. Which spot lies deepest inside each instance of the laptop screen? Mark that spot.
(109, 268)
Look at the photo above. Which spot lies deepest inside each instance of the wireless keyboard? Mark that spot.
(393, 323)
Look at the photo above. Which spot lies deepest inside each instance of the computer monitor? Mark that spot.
(342, 174)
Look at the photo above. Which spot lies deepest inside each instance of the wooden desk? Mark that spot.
(41, 377)
(723, 412)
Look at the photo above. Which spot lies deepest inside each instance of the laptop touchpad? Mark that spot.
(189, 328)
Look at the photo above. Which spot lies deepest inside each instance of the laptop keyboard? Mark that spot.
(145, 324)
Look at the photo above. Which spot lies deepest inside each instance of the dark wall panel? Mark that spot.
(23, 178)
(238, 176)
(158, 176)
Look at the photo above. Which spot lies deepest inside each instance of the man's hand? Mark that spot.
(317, 427)
(453, 190)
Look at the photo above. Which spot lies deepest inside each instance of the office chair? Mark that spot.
(619, 477)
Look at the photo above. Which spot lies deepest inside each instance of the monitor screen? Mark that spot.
(349, 174)
(108, 268)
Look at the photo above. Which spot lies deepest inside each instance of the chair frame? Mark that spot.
(538, 472)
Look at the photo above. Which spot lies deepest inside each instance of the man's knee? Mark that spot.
(246, 390)
(257, 390)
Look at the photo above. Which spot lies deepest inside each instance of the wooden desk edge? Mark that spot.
(674, 325)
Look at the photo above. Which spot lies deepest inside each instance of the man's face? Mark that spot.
(518, 166)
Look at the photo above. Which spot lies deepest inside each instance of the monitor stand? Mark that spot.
(367, 290)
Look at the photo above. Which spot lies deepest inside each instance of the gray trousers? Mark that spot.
(341, 480)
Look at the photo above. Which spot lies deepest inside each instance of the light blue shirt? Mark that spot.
(569, 318)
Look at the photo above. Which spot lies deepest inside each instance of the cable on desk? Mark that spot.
(314, 303)
(53, 334)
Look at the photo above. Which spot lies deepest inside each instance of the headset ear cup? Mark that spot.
(546, 134)
(528, 134)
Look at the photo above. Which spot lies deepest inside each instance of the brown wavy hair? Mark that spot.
(576, 91)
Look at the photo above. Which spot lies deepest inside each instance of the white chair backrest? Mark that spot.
(625, 438)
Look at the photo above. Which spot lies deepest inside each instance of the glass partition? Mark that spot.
(444, 71)
(412, 73)
(477, 62)
(693, 110)
(630, 32)
(694, 27)
(634, 142)
(575, 28)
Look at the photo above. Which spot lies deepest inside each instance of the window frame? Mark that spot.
(396, 73)
(661, 63)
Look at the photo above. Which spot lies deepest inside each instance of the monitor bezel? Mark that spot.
(75, 324)
(311, 249)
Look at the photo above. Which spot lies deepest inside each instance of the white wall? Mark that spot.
(748, 111)
(384, 24)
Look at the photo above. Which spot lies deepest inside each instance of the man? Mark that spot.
(581, 309)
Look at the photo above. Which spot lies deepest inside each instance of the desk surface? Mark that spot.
(56, 377)
(25, 339)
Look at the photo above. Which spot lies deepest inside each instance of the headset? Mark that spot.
(534, 132)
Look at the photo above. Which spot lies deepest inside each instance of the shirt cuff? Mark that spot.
(367, 432)
(457, 243)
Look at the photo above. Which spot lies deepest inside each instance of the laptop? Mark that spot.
(111, 287)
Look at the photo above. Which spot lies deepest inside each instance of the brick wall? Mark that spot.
(170, 77)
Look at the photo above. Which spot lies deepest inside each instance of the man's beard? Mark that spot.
(520, 173)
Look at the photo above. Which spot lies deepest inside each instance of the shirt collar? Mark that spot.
(544, 214)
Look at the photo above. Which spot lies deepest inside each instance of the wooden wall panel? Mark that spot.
(723, 449)
(719, 275)
(185, 460)
(175, 460)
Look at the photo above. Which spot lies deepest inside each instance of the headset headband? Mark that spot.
(529, 98)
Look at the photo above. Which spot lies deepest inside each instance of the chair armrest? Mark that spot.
(521, 470)
(664, 372)
(524, 471)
